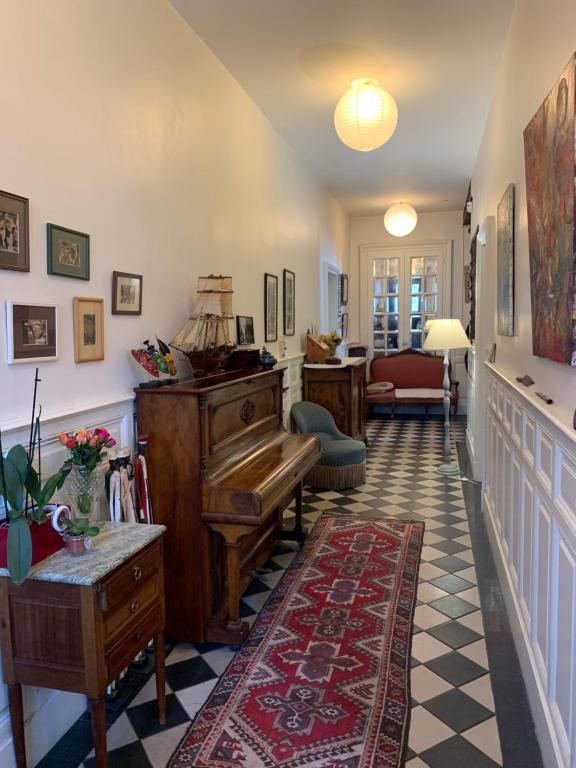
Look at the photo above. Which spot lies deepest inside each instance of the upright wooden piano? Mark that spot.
(221, 468)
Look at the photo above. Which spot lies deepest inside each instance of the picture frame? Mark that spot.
(289, 302)
(244, 330)
(505, 263)
(68, 252)
(126, 293)
(31, 332)
(344, 325)
(343, 289)
(88, 329)
(270, 307)
(14, 232)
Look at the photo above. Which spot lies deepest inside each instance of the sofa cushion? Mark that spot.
(382, 397)
(376, 387)
(419, 394)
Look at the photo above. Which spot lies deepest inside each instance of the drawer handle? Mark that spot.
(138, 636)
(134, 605)
(137, 574)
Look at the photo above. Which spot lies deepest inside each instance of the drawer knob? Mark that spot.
(137, 573)
(134, 605)
(138, 636)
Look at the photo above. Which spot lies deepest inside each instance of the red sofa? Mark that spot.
(416, 379)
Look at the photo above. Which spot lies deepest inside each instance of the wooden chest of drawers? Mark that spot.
(78, 637)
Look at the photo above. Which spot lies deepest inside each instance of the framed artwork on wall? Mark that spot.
(344, 325)
(14, 233)
(244, 329)
(126, 294)
(343, 289)
(289, 303)
(270, 307)
(88, 330)
(505, 262)
(68, 252)
(31, 332)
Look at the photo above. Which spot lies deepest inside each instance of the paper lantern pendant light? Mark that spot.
(366, 116)
(400, 219)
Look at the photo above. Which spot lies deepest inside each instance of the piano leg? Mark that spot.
(235, 631)
(299, 533)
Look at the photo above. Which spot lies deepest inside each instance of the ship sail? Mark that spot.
(207, 328)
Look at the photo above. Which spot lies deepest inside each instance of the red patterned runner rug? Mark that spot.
(323, 679)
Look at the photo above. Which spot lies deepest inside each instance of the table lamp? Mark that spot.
(446, 335)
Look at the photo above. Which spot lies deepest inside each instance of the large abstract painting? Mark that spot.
(505, 262)
(549, 158)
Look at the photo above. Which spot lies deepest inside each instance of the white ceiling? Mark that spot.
(438, 58)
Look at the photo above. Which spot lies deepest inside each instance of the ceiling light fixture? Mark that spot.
(400, 219)
(366, 116)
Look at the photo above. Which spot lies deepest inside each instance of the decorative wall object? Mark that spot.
(68, 252)
(270, 307)
(14, 237)
(505, 262)
(549, 160)
(244, 329)
(343, 289)
(467, 291)
(31, 332)
(472, 324)
(344, 325)
(88, 330)
(289, 303)
(126, 294)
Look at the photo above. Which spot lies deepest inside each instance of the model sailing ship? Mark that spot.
(205, 339)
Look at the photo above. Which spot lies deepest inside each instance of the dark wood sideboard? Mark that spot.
(342, 390)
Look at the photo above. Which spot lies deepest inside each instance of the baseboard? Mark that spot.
(543, 722)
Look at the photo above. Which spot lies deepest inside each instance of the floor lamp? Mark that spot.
(446, 335)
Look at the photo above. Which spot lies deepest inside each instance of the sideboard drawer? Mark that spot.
(137, 636)
(120, 586)
(134, 606)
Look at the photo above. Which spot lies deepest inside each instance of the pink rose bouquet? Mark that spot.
(86, 445)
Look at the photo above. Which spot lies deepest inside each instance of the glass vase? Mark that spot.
(83, 487)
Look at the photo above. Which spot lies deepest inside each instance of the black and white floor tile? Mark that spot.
(454, 719)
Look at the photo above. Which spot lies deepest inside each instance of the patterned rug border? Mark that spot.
(279, 592)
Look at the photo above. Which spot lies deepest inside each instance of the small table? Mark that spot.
(77, 621)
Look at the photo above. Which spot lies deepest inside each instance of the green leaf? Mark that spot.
(50, 487)
(19, 549)
(93, 531)
(33, 484)
(18, 458)
(14, 491)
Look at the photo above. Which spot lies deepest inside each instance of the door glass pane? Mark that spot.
(417, 266)
(416, 304)
(416, 285)
(378, 287)
(394, 266)
(392, 322)
(392, 285)
(379, 267)
(431, 265)
(392, 341)
(379, 322)
(392, 304)
(431, 285)
(416, 322)
(378, 305)
(379, 341)
(416, 340)
(430, 303)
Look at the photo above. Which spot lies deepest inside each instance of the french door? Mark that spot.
(403, 288)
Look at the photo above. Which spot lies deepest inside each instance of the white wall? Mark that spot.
(122, 124)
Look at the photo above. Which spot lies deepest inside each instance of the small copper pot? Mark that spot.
(77, 545)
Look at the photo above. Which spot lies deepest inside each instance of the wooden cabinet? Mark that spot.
(342, 390)
(75, 623)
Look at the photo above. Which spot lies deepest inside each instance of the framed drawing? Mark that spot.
(68, 252)
(344, 325)
(343, 289)
(126, 294)
(88, 330)
(270, 307)
(505, 262)
(14, 232)
(244, 329)
(289, 303)
(31, 332)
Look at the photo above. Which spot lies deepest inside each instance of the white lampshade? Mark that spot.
(446, 334)
(428, 325)
(366, 116)
(400, 219)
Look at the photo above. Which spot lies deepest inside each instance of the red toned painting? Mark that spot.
(550, 160)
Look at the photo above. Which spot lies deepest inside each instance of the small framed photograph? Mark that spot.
(289, 303)
(126, 294)
(88, 330)
(14, 232)
(343, 289)
(270, 307)
(31, 331)
(244, 329)
(68, 252)
(344, 325)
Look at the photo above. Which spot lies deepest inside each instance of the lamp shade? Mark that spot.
(366, 116)
(446, 334)
(400, 219)
(428, 325)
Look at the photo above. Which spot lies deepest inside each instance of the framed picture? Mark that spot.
(14, 232)
(88, 330)
(31, 332)
(126, 294)
(505, 263)
(68, 252)
(289, 303)
(270, 307)
(244, 329)
(343, 289)
(344, 325)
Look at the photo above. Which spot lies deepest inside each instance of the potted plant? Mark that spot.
(332, 340)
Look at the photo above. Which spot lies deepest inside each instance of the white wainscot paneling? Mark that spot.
(530, 503)
(48, 714)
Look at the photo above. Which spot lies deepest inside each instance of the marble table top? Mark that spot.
(115, 543)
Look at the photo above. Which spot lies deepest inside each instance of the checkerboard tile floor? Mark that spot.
(453, 721)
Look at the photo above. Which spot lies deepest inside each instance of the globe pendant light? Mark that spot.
(366, 116)
(400, 219)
